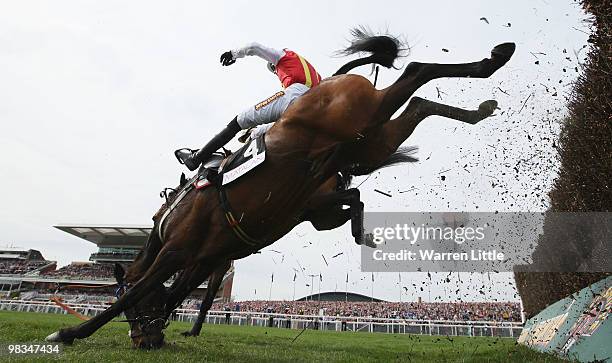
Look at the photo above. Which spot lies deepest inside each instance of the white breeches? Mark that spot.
(270, 109)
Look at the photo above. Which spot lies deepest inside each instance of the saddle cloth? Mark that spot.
(228, 169)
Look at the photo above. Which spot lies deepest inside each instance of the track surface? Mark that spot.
(254, 344)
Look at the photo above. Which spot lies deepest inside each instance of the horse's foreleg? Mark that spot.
(326, 213)
(161, 270)
(328, 218)
(417, 74)
(189, 280)
(214, 283)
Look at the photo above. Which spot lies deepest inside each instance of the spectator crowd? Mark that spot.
(20, 267)
(84, 271)
(459, 311)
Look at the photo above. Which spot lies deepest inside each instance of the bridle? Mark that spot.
(148, 319)
(146, 322)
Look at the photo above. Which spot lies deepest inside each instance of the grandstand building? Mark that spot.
(115, 243)
(339, 296)
(16, 263)
(28, 271)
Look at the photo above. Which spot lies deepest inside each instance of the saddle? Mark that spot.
(219, 170)
(209, 170)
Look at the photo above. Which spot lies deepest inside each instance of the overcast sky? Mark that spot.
(96, 95)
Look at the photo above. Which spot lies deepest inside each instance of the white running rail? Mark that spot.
(288, 321)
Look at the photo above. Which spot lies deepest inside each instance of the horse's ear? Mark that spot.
(183, 179)
(119, 273)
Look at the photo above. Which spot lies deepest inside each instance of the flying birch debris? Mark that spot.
(502, 91)
(383, 193)
(535, 54)
(524, 103)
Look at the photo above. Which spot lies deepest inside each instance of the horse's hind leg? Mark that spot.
(399, 129)
(161, 270)
(396, 131)
(214, 282)
(417, 74)
(485, 110)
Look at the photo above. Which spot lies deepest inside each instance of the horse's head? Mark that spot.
(147, 318)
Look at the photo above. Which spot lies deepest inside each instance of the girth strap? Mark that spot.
(235, 223)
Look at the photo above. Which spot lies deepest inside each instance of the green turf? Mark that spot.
(256, 344)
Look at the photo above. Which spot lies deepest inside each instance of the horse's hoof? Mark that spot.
(189, 334)
(57, 338)
(54, 338)
(368, 240)
(503, 52)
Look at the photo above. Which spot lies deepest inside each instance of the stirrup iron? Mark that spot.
(182, 154)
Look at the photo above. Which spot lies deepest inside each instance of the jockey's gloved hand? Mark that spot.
(227, 58)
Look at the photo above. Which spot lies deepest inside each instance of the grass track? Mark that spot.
(221, 343)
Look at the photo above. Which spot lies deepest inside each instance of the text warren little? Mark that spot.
(432, 255)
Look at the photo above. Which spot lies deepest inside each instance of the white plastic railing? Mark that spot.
(289, 321)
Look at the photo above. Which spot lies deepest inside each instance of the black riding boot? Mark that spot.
(193, 160)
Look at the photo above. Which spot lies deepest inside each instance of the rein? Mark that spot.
(56, 300)
(145, 321)
(68, 309)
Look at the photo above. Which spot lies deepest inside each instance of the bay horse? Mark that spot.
(325, 211)
(342, 124)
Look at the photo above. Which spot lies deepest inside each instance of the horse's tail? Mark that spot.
(402, 155)
(383, 49)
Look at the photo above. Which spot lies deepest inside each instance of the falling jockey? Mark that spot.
(296, 75)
